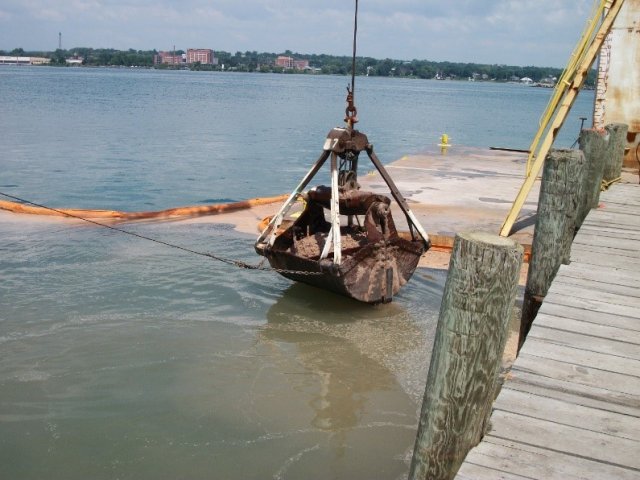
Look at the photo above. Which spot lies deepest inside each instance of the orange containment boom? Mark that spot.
(191, 211)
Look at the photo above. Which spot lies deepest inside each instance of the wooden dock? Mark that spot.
(570, 407)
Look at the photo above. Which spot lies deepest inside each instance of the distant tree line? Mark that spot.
(319, 63)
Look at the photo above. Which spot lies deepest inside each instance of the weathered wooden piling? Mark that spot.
(593, 144)
(554, 230)
(574, 197)
(615, 151)
(477, 305)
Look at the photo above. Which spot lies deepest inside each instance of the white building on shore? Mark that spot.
(14, 60)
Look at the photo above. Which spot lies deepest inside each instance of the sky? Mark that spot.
(510, 32)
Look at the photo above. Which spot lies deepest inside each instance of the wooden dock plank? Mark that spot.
(595, 248)
(570, 406)
(561, 308)
(473, 471)
(608, 210)
(622, 218)
(599, 284)
(616, 207)
(577, 442)
(609, 231)
(590, 352)
(625, 194)
(627, 199)
(538, 463)
(588, 327)
(615, 255)
(591, 304)
(550, 409)
(584, 292)
(623, 191)
(579, 334)
(590, 258)
(588, 376)
(594, 397)
(622, 194)
(601, 217)
(600, 273)
(605, 241)
(611, 220)
(625, 231)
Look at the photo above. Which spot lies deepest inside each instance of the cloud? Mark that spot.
(540, 32)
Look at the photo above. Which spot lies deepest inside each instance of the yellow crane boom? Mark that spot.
(565, 92)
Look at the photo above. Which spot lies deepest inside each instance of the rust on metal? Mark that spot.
(374, 260)
(345, 240)
(616, 98)
(351, 112)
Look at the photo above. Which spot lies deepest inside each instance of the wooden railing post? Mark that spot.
(615, 151)
(554, 230)
(593, 144)
(477, 306)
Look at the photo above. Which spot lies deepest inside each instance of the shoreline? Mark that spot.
(458, 189)
(454, 190)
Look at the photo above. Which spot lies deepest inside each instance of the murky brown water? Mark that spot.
(127, 360)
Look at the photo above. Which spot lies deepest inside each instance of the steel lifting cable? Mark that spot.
(353, 59)
(228, 261)
(351, 112)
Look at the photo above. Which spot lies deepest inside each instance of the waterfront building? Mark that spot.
(40, 60)
(300, 64)
(14, 60)
(203, 55)
(168, 58)
(289, 62)
(75, 60)
(284, 61)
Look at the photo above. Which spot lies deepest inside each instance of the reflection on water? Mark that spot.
(345, 373)
(127, 360)
(347, 353)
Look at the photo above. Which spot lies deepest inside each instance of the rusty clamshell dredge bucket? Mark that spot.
(357, 251)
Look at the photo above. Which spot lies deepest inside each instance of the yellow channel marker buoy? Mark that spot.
(444, 141)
